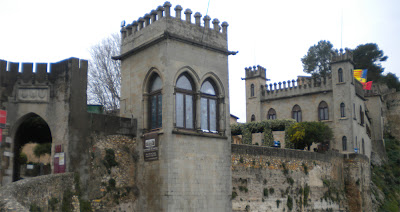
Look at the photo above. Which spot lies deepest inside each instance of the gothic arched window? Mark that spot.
(363, 147)
(252, 90)
(155, 102)
(271, 114)
(208, 106)
(361, 116)
(344, 143)
(342, 110)
(253, 118)
(296, 113)
(184, 102)
(340, 75)
(323, 112)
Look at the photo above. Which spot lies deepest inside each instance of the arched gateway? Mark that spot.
(30, 128)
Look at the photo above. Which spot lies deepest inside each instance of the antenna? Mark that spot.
(341, 30)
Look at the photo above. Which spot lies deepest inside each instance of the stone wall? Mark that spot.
(273, 179)
(44, 192)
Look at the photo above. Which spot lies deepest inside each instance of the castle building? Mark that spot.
(337, 100)
(175, 82)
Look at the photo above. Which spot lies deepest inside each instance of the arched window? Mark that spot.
(208, 107)
(253, 118)
(363, 147)
(271, 114)
(323, 113)
(155, 102)
(296, 113)
(344, 143)
(184, 106)
(342, 110)
(361, 115)
(340, 75)
(252, 90)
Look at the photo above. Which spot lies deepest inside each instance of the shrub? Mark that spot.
(271, 190)
(234, 194)
(265, 192)
(289, 203)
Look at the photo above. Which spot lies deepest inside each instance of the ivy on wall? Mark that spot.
(266, 127)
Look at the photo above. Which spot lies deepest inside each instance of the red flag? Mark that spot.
(367, 85)
(3, 120)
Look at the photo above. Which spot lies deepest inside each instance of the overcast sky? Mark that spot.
(273, 34)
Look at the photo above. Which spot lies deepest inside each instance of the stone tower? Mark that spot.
(255, 86)
(175, 82)
(348, 98)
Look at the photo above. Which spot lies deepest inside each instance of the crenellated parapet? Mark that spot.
(39, 75)
(255, 71)
(341, 56)
(160, 24)
(301, 86)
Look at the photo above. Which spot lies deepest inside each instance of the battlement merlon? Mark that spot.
(301, 86)
(255, 71)
(44, 73)
(341, 56)
(159, 25)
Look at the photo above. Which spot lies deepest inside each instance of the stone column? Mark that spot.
(178, 10)
(188, 14)
(197, 17)
(207, 21)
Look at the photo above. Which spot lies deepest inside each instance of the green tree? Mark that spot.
(42, 149)
(318, 58)
(369, 56)
(304, 134)
(391, 80)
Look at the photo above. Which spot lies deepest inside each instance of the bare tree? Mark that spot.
(104, 77)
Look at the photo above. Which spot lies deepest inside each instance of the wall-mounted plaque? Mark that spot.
(150, 147)
(34, 94)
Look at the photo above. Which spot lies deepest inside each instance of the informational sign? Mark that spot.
(3, 119)
(150, 147)
(29, 166)
(356, 150)
(59, 160)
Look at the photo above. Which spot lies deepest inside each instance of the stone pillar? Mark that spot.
(167, 7)
(178, 10)
(197, 17)
(134, 27)
(188, 14)
(207, 21)
(224, 27)
(153, 14)
(141, 25)
(160, 10)
(147, 19)
(216, 24)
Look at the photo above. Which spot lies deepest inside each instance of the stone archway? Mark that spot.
(31, 129)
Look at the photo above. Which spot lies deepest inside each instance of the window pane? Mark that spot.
(207, 88)
(153, 109)
(326, 114)
(159, 112)
(213, 115)
(203, 110)
(156, 84)
(189, 111)
(179, 110)
(184, 83)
